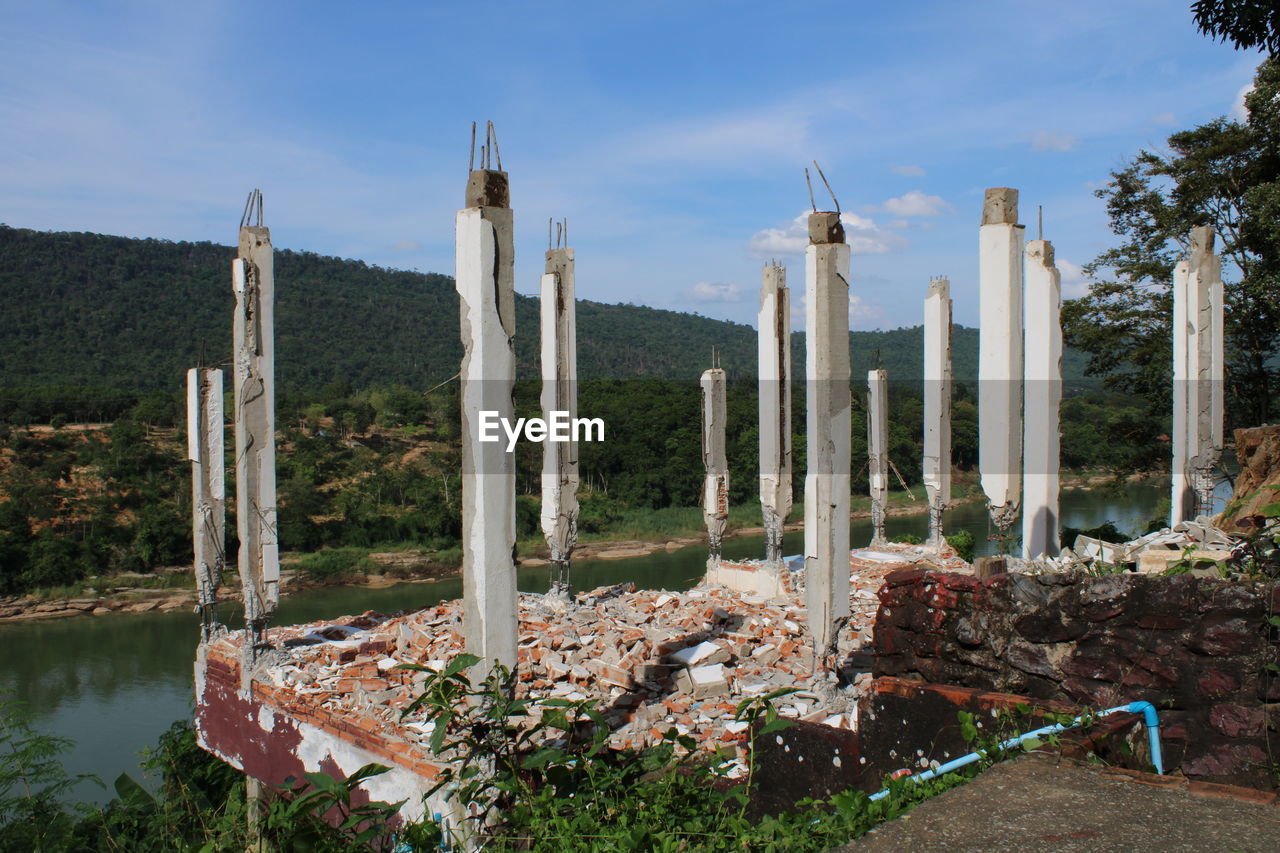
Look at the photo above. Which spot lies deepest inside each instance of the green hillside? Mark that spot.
(117, 312)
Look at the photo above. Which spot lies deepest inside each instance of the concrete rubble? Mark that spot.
(651, 659)
(1151, 553)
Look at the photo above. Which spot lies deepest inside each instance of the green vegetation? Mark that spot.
(1225, 174)
(545, 767)
(337, 564)
(569, 793)
(86, 509)
(200, 805)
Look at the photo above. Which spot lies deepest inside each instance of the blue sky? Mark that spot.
(672, 135)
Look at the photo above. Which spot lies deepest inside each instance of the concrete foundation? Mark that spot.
(827, 371)
(253, 344)
(878, 450)
(559, 394)
(1041, 443)
(1000, 355)
(937, 404)
(485, 278)
(715, 490)
(775, 407)
(208, 490)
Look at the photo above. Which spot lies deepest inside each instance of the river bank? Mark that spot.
(419, 567)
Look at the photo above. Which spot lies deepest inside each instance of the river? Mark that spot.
(112, 684)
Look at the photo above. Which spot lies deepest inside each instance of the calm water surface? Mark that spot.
(112, 684)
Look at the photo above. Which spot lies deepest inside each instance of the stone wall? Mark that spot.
(1197, 648)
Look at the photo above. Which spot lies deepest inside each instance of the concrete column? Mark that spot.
(774, 341)
(715, 490)
(559, 394)
(826, 485)
(937, 404)
(878, 450)
(253, 344)
(208, 491)
(1000, 355)
(1043, 372)
(1197, 371)
(485, 279)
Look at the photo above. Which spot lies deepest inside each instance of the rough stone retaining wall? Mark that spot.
(1198, 648)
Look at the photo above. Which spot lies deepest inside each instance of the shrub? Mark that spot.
(337, 563)
(962, 541)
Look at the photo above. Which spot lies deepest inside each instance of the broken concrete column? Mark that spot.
(774, 339)
(1000, 356)
(826, 486)
(715, 490)
(485, 279)
(208, 491)
(937, 404)
(1197, 377)
(559, 394)
(253, 344)
(878, 450)
(1043, 373)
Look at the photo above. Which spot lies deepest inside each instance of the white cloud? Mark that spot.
(705, 291)
(1239, 111)
(1053, 140)
(909, 171)
(1163, 119)
(1075, 283)
(916, 203)
(406, 246)
(859, 310)
(860, 232)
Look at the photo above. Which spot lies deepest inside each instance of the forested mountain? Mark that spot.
(117, 312)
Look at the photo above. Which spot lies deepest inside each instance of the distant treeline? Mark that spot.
(116, 312)
(383, 467)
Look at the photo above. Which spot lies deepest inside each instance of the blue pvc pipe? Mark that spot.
(1150, 718)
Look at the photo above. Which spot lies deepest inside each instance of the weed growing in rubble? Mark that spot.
(539, 775)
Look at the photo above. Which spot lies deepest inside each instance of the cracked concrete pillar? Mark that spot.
(826, 484)
(208, 491)
(774, 340)
(559, 394)
(937, 404)
(1043, 372)
(253, 344)
(485, 279)
(1197, 377)
(1000, 355)
(878, 450)
(715, 490)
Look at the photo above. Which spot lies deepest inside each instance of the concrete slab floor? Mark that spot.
(1043, 803)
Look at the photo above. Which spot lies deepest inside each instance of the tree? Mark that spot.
(1225, 174)
(1247, 24)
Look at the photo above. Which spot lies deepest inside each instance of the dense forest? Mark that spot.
(121, 313)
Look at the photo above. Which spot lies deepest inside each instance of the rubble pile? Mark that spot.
(650, 659)
(1152, 553)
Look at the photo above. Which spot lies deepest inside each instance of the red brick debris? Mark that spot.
(651, 659)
